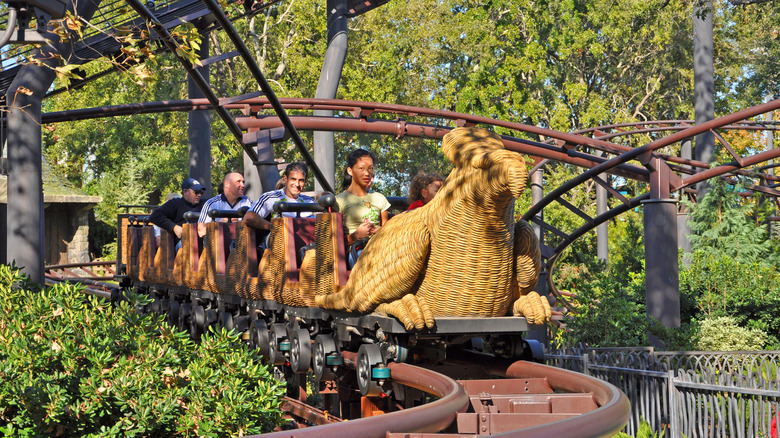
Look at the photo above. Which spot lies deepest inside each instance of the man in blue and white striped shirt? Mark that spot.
(232, 198)
(295, 175)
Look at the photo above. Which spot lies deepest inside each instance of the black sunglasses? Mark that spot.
(197, 192)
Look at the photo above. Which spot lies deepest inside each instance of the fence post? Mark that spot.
(674, 420)
(585, 364)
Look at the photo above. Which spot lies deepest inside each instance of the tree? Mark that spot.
(725, 225)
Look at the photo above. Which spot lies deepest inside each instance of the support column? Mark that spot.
(769, 135)
(703, 84)
(200, 128)
(332, 66)
(25, 243)
(266, 172)
(537, 193)
(602, 230)
(683, 230)
(661, 269)
(24, 231)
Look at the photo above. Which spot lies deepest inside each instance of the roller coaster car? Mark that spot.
(269, 295)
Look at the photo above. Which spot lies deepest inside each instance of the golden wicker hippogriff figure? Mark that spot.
(462, 254)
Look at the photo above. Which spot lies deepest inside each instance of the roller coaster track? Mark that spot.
(602, 150)
(500, 397)
(99, 38)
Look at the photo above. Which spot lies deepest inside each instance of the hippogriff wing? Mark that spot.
(389, 267)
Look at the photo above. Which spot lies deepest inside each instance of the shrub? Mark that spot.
(723, 334)
(72, 365)
(747, 292)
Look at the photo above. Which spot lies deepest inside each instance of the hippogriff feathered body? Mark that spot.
(462, 254)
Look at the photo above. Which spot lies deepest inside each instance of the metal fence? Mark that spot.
(687, 393)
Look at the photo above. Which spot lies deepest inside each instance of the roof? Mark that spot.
(56, 190)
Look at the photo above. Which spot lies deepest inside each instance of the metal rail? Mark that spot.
(502, 407)
(430, 417)
(81, 271)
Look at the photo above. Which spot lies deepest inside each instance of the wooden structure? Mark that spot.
(66, 219)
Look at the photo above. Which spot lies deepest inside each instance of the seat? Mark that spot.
(288, 236)
(191, 258)
(219, 236)
(165, 258)
(146, 256)
(244, 273)
(330, 268)
(131, 250)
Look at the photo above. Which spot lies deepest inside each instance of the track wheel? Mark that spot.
(241, 323)
(211, 319)
(226, 320)
(300, 350)
(162, 307)
(173, 313)
(278, 345)
(185, 312)
(533, 350)
(258, 337)
(370, 368)
(154, 307)
(326, 358)
(197, 321)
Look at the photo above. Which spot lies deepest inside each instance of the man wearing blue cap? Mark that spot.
(170, 215)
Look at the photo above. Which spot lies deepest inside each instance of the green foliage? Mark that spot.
(124, 188)
(645, 430)
(724, 224)
(72, 365)
(723, 334)
(605, 317)
(747, 292)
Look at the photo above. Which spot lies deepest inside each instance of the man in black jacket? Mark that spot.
(170, 215)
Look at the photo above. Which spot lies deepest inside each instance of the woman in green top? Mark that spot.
(363, 212)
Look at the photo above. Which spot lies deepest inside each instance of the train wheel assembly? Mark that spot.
(326, 357)
(258, 337)
(279, 344)
(370, 370)
(173, 313)
(300, 350)
(197, 321)
(185, 312)
(226, 320)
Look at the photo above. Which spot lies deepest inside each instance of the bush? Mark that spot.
(723, 334)
(605, 315)
(747, 292)
(73, 365)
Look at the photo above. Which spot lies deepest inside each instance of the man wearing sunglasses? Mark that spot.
(170, 215)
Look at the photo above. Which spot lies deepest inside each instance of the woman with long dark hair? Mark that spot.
(363, 212)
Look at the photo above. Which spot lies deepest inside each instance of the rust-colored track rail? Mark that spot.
(95, 271)
(532, 401)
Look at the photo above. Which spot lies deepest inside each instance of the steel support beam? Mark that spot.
(683, 230)
(662, 282)
(25, 222)
(602, 230)
(246, 55)
(199, 128)
(24, 240)
(661, 269)
(703, 83)
(327, 87)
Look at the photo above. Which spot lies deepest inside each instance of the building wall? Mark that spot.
(66, 234)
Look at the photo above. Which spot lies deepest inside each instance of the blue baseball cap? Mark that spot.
(191, 183)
